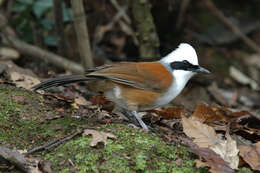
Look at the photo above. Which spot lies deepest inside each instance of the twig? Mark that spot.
(53, 143)
(183, 8)
(37, 52)
(117, 16)
(9, 39)
(217, 13)
(121, 10)
(61, 41)
(146, 32)
(17, 159)
(80, 24)
(9, 8)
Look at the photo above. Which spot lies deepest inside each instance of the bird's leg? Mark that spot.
(139, 119)
(129, 115)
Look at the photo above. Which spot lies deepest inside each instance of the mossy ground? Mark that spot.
(133, 150)
(24, 124)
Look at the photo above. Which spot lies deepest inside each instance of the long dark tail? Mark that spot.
(59, 81)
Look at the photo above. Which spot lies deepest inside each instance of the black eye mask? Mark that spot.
(184, 65)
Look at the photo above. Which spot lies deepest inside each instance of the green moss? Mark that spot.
(132, 150)
(23, 124)
(244, 170)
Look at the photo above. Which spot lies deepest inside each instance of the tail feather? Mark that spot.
(59, 81)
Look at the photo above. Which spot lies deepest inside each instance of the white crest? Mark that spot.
(183, 52)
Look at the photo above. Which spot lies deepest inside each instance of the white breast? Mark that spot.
(179, 81)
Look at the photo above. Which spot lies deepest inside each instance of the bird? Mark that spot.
(139, 86)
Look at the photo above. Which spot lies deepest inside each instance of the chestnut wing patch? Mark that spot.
(144, 75)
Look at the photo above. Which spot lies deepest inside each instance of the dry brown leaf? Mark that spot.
(169, 113)
(240, 77)
(205, 137)
(24, 81)
(214, 113)
(228, 150)
(98, 136)
(206, 114)
(82, 101)
(210, 158)
(102, 101)
(217, 94)
(7, 53)
(199, 163)
(18, 99)
(251, 154)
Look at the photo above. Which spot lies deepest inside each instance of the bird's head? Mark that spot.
(183, 62)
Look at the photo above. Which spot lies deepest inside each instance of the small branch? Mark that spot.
(146, 32)
(18, 160)
(121, 10)
(9, 8)
(80, 24)
(53, 143)
(217, 13)
(61, 41)
(37, 52)
(9, 39)
(183, 8)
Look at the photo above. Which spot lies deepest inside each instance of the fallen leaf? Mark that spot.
(169, 113)
(18, 99)
(242, 78)
(60, 97)
(24, 81)
(251, 154)
(214, 113)
(208, 158)
(7, 53)
(74, 106)
(211, 160)
(205, 137)
(253, 59)
(98, 136)
(206, 114)
(102, 101)
(82, 101)
(217, 94)
(228, 150)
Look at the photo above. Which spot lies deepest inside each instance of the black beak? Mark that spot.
(202, 70)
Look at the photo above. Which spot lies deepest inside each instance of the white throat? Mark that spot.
(180, 77)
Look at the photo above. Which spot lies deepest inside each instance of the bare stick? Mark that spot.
(53, 143)
(80, 24)
(184, 6)
(121, 10)
(37, 52)
(9, 39)
(216, 12)
(146, 32)
(61, 41)
(18, 160)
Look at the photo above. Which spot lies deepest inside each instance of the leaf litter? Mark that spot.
(98, 137)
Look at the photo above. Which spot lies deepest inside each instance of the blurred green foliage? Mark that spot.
(37, 16)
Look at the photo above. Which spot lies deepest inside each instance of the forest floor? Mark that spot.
(29, 120)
